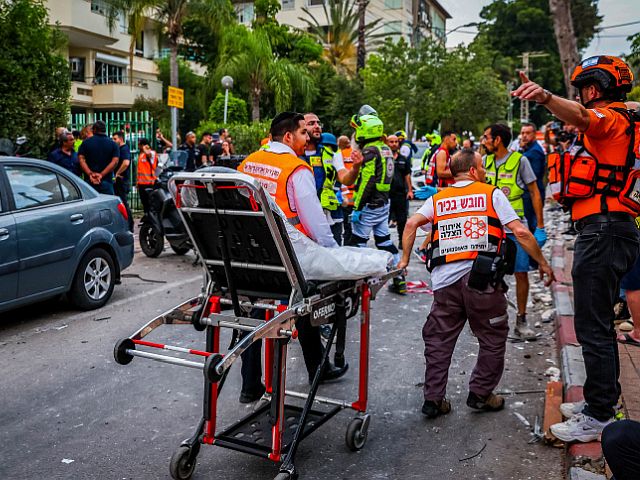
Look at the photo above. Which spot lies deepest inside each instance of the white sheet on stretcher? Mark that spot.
(317, 262)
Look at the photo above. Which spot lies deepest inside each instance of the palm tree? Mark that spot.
(247, 56)
(341, 32)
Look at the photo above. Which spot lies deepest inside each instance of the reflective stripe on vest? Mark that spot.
(465, 223)
(378, 169)
(273, 170)
(147, 169)
(328, 197)
(505, 177)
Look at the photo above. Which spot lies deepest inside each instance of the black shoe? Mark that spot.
(434, 409)
(331, 372)
(252, 396)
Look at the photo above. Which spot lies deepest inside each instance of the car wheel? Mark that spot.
(151, 240)
(94, 280)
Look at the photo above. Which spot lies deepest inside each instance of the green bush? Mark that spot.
(236, 109)
(246, 138)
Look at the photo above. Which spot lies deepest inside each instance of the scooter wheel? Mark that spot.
(183, 463)
(151, 241)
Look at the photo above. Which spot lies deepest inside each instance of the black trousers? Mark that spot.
(122, 190)
(399, 209)
(621, 448)
(603, 253)
(347, 224)
(144, 196)
(312, 351)
(336, 230)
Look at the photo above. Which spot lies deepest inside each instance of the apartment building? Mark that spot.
(101, 74)
(412, 20)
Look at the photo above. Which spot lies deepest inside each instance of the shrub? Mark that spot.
(236, 109)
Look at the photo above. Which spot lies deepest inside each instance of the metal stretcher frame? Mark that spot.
(236, 196)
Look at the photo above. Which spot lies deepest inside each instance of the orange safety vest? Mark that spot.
(601, 181)
(273, 171)
(147, 169)
(348, 190)
(464, 224)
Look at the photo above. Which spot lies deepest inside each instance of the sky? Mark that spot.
(612, 41)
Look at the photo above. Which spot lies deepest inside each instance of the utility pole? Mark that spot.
(362, 53)
(510, 104)
(527, 69)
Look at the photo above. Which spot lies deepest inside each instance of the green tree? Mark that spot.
(236, 109)
(340, 36)
(34, 75)
(246, 138)
(247, 56)
(634, 56)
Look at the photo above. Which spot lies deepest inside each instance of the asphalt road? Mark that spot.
(68, 411)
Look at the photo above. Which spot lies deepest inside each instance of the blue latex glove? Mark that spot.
(541, 236)
(355, 216)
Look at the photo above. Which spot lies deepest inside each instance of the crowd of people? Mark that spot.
(484, 220)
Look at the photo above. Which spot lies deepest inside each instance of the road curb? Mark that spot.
(571, 362)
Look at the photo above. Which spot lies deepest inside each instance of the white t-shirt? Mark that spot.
(448, 274)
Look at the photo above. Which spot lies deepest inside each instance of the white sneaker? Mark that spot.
(570, 409)
(579, 428)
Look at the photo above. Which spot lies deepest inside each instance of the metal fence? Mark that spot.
(135, 125)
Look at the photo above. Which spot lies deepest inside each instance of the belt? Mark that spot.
(375, 205)
(612, 217)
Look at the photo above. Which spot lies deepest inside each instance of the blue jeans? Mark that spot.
(104, 187)
(522, 257)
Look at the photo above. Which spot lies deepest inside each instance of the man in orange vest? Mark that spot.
(147, 165)
(290, 182)
(607, 243)
(467, 261)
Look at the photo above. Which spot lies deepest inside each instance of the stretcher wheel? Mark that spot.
(210, 368)
(356, 435)
(183, 463)
(120, 351)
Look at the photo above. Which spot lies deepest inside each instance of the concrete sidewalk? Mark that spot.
(583, 460)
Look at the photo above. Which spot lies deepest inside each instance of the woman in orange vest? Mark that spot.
(607, 244)
(147, 165)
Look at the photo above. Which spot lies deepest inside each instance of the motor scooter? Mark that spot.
(163, 220)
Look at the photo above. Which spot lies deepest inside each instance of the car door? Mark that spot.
(50, 220)
(8, 250)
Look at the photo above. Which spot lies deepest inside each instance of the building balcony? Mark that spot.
(114, 93)
(82, 25)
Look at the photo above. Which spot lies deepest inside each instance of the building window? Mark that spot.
(393, 29)
(77, 64)
(392, 4)
(244, 12)
(140, 45)
(313, 3)
(107, 73)
(288, 4)
(99, 6)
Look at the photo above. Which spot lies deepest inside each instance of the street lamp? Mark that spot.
(227, 83)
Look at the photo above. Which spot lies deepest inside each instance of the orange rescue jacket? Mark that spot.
(273, 171)
(464, 224)
(147, 168)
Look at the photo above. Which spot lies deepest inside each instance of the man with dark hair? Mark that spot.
(65, 155)
(204, 150)
(468, 221)
(512, 173)
(530, 148)
(122, 184)
(189, 146)
(442, 158)
(98, 158)
(289, 181)
(401, 190)
(312, 152)
(147, 165)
